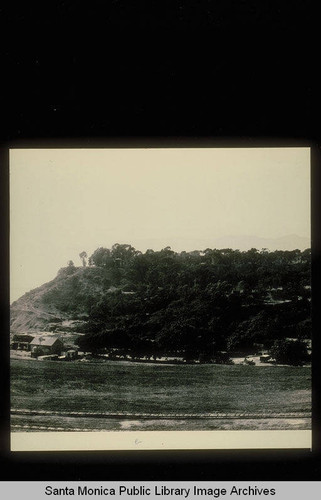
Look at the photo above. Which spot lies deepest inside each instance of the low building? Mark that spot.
(45, 345)
(21, 342)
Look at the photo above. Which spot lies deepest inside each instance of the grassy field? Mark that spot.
(152, 396)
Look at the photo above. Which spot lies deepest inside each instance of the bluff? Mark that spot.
(193, 303)
(63, 303)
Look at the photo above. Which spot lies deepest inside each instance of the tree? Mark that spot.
(261, 328)
(83, 256)
(123, 252)
(101, 257)
(289, 352)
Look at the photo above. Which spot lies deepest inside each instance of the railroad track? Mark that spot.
(160, 416)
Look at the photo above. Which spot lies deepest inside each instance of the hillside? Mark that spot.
(58, 303)
(192, 303)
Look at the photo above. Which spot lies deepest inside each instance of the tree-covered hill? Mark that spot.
(162, 302)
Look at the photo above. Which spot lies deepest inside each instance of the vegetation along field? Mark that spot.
(115, 395)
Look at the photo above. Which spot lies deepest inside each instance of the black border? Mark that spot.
(251, 465)
(241, 74)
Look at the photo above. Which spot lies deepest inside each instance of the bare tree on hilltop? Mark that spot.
(83, 256)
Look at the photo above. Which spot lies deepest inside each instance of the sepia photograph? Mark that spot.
(160, 290)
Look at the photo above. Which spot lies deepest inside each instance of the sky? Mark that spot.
(65, 201)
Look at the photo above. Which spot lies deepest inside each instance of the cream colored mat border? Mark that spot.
(170, 440)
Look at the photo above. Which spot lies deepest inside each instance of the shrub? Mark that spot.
(289, 352)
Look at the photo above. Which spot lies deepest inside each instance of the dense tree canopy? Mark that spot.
(198, 303)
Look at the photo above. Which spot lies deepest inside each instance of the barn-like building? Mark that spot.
(44, 345)
(21, 342)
